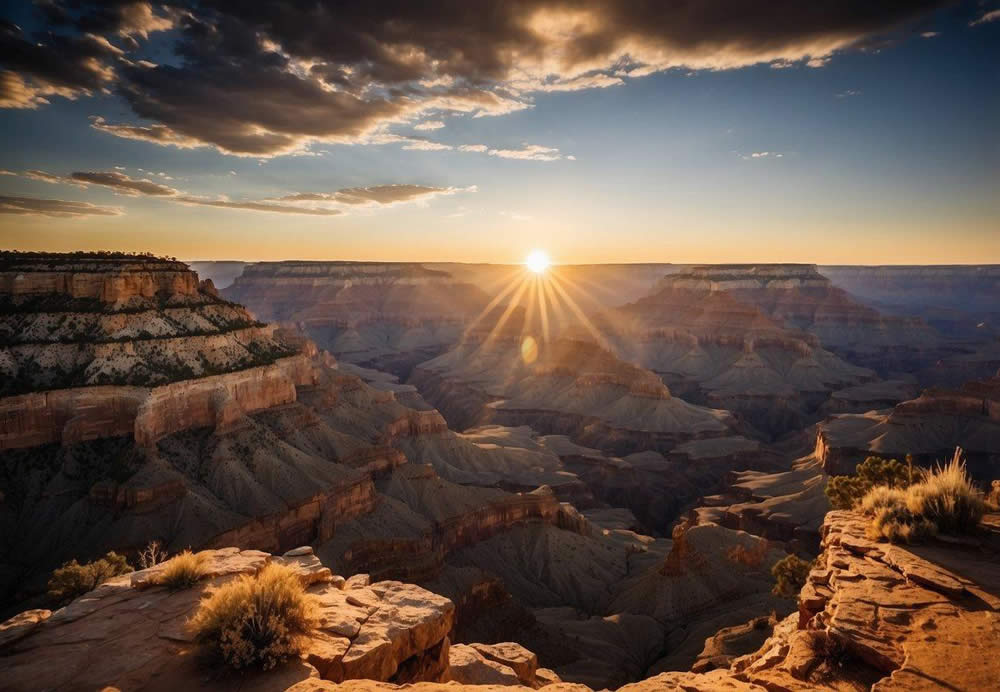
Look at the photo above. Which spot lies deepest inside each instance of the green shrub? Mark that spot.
(182, 571)
(790, 574)
(844, 492)
(256, 621)
(73, 579)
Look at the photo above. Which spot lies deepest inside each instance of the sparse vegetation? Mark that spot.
(182, 571)
(152, 555)
(945, 500)
(73, 579)
(844, 492)
(255, 621)
(790, 574)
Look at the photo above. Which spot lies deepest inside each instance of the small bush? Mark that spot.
(73, 579)
(844, 492)
(182, 571)
(943, 501)
(881, 497)
(790, 574)
(948, 498)
(256, 621)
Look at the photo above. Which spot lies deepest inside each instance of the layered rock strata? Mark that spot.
(384, 315)
(928, 427)
(716, 336)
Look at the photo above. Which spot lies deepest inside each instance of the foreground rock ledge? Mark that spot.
(871, 614)
(130, 634)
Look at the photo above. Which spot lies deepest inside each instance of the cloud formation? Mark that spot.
(528, 152)
(34, 206)
(991, 16)
(333, 203)
(114, 180)
(258, 206)
(271, 77)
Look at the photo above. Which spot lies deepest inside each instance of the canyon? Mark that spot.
(583, 478)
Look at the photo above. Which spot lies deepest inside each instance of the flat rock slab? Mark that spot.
(131, 634)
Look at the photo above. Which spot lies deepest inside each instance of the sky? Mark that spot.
(714, 131)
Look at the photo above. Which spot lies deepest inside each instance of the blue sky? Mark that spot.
(887, 152)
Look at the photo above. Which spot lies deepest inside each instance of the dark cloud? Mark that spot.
(33, 206)
(269, 77)
(34, 68)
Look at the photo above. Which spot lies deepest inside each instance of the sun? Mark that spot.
(537, 261)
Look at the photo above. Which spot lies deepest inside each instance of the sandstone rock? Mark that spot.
(469, 667)
(21, 625)
(511, 654)
(130, 638)
(889, 616)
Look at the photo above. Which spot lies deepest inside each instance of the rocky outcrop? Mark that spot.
(131, 634)
(109, 280)
(889, 616)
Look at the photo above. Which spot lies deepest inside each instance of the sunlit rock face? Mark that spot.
(929, 427)
(898, 616)
(389, 316)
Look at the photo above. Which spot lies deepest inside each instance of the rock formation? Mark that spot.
(744, 338)
(131, 634)
(384, 315)
(889, 617)
(928, 427)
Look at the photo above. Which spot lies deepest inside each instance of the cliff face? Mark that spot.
(928, 427)
(69, 416)
(893, 617)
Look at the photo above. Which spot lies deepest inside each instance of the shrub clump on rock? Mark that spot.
(790, 573)
(943, 501)
(257, 620)
(73, 579)
(844, 492)
(182, 571)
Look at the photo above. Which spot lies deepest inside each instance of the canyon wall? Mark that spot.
(68, 416)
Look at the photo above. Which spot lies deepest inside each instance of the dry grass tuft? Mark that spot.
(256, 621)
(943, 501)
(182, 571)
